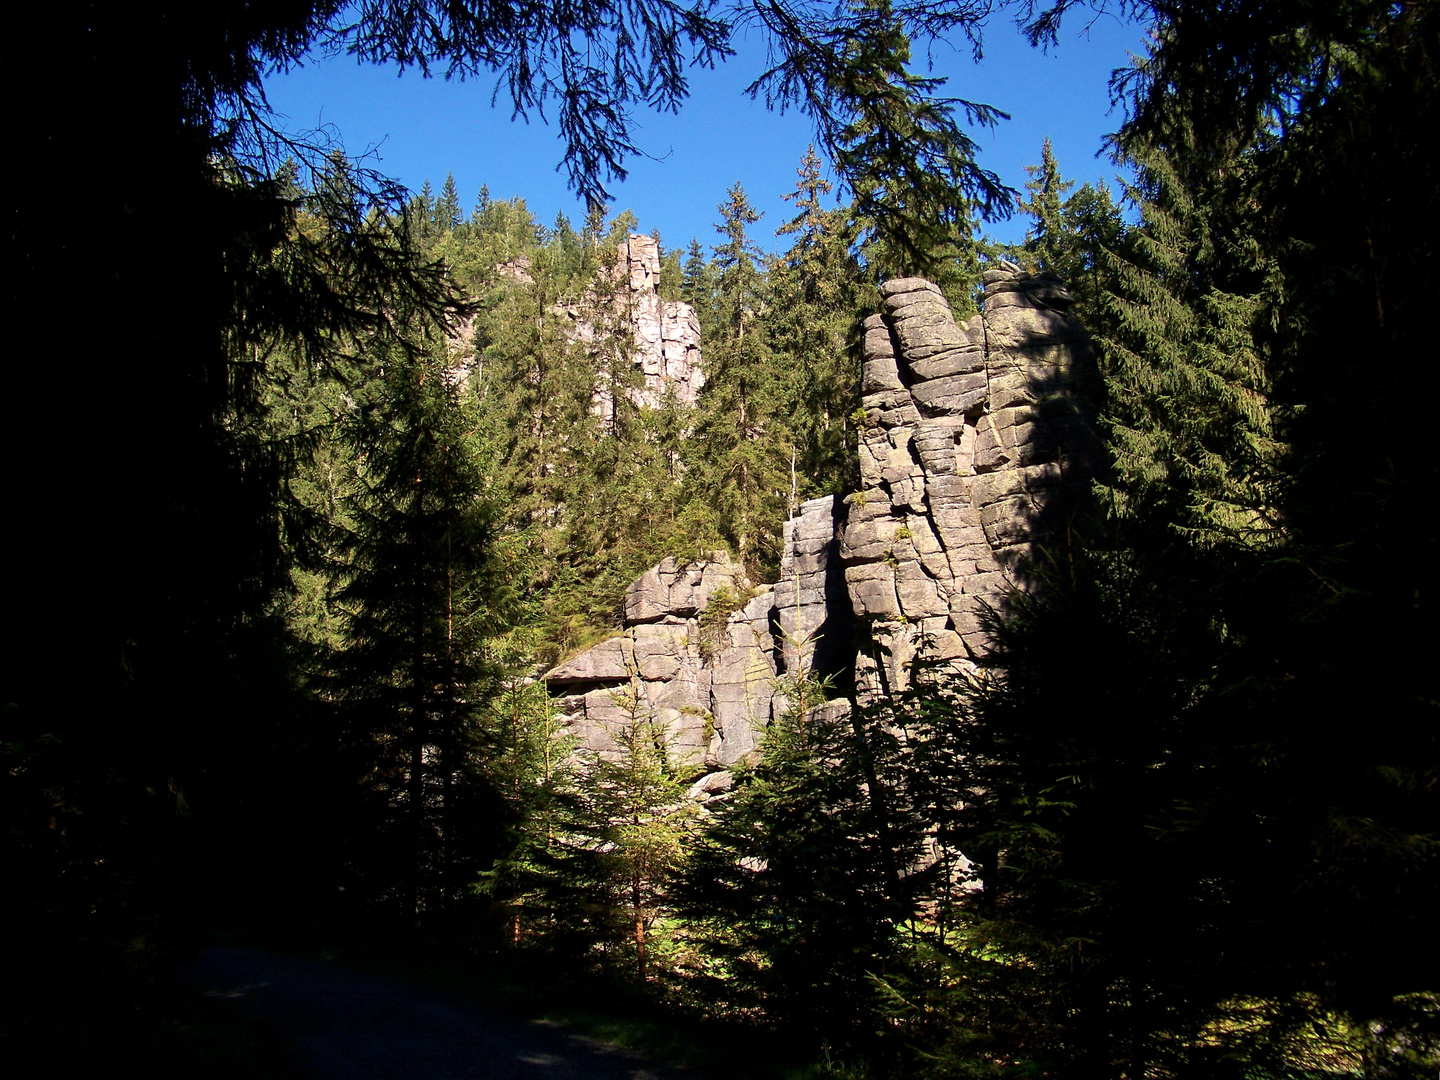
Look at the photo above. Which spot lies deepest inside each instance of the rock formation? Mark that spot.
(709, 684)
(666, 333)
(665, 346)
(977, 453)
(974, 463)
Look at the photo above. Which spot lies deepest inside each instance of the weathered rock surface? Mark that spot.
(976, 455)
(673, 591)
(666, 333)
(709, 688)
(978, 451)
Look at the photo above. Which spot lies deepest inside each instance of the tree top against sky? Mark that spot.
(679, 161)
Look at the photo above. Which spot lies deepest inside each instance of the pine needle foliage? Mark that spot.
(740, 454)
(1189, 415)
(421, 597)
(817, 292)
(632, 826)
(795, 888)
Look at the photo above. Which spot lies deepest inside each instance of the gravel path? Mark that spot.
(345, 1024)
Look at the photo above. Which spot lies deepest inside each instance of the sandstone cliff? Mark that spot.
(974, 463)
(665, 334)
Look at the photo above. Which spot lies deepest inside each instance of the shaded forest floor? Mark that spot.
(237, 1007)
(337, 1020)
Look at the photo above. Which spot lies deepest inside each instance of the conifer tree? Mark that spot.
(1046, 240)
(1189, 415)
(742, 444)
(910, 170)
(816, 298)
(633, 819)
(531, 765)
(796, 886)
(1070, 237)
(1093, 227)
(447, 207)
(1178, 846)
(697, 287)
(421, 596)
(672, 277)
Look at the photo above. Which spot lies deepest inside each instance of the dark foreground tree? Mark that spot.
(1218, 833)
(421, 597)
(797, 887)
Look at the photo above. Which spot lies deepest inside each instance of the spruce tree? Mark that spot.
(632, 824)
(1192, 885)
(697, 287)
(1069, 237)
(421, 597)
(909, 168)
(742, 446)
(1189, 416)
(531, 765)
(1046, 239)
(816, 298)
(447, 207)
(796, 887)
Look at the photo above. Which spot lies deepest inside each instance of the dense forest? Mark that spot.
(327, 472)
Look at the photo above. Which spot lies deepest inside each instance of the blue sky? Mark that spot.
(416, 128)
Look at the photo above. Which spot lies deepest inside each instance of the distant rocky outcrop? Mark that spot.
(665, 346)
(975, 460)
(666, 333)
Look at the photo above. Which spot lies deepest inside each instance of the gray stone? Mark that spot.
(995, 299)
(946, 490)
(954, 394)
(975, 438)
(880, 373)
(908, 494)
(896, 286)
(918, 593)
(1019, 327)
(665, 333)
(933, 335)
(610, 661)
(945, 360)
(710, 785)
(878, 343)
(872, 590)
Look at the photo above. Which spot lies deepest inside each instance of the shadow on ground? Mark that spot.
(344, 1024)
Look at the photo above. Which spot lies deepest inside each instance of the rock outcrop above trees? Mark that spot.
(661, 338)
(975, 458)
(663, 335)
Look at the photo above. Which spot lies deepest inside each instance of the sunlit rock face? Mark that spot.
(975, 460)
(709, 684)
(667, 332)
(664, 335)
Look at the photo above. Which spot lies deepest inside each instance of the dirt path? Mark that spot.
(345, 1024)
